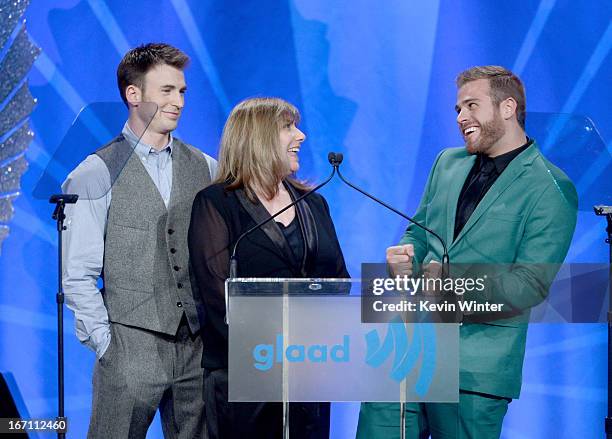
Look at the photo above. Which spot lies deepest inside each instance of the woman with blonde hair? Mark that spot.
(257, 160)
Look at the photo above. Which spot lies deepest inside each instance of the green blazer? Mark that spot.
(527, 219)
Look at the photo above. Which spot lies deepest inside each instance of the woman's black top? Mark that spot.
(293, 235)
(219, 217)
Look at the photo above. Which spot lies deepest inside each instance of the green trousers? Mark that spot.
(477, 416)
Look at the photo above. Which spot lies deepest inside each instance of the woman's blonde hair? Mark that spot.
(250, 156)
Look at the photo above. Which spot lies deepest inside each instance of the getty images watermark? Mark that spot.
(426, 298)
(429, 287)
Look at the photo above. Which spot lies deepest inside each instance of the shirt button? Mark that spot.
(179, 285)
(179, 304)
(170, 231)
(176, 268)
(172, 250)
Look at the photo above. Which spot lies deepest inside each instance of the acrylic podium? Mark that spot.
(300, 340)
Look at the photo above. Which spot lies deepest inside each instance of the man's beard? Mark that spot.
(490, 132)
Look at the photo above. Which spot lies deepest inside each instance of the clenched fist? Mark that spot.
(399, 258)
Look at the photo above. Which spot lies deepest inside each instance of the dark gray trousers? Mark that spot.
(142, 371)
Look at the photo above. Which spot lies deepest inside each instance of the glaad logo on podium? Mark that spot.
(407, 354)
(266, 354)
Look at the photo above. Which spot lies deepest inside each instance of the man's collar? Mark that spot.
(503, 160)
(142, 149)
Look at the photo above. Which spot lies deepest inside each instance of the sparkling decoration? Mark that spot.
(17, 143)
(4, 231)
(10, 176)
(6, 209)
(17, 63)
(18, 108)
(17, 54)
(10, 12)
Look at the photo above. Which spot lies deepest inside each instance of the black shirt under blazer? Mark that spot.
(218, 218)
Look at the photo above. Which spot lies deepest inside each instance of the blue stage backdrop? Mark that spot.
(374, 80)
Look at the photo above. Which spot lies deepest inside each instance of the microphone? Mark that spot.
(445, 259)
(334, 161)
(335, 158)
(63, 198)
(60, 201)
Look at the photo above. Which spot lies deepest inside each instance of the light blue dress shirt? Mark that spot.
(83, 240)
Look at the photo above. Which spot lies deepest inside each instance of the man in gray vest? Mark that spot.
(130, 228)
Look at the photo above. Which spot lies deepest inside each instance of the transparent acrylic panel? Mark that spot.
(95, 126)
(303, 340)
(573, 143)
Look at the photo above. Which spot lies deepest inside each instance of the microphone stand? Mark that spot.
(445, 263)
(60, 201)
(445, 258)
(607, 212)
(233, 269)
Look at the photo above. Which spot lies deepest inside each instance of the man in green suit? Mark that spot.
(496, 201)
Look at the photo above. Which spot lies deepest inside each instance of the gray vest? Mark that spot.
(147, 274)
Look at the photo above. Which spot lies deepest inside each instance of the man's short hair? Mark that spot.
(138, 61)
(503, 83)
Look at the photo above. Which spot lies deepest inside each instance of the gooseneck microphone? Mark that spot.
(335, 159)
(233, 270)
(445, 259)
